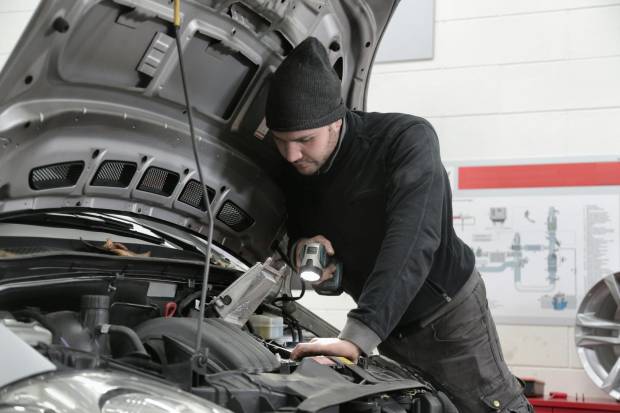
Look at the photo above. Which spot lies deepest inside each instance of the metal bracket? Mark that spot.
(199, 361)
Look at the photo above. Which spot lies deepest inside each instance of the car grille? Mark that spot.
(235, 217)
(159, 181)
(115, 174)
(56, 176)
(194, 195)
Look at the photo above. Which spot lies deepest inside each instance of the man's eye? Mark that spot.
(308, 139)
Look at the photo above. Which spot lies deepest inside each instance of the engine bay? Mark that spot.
(147, 326)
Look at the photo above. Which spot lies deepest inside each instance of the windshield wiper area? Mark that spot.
(85, 222)
(101, 221)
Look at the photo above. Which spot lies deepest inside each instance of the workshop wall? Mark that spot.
(517, 79)
(14, 15)
(510, 79)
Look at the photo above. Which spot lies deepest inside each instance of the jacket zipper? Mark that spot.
(439, 290)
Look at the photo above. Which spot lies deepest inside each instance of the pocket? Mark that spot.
(507, 398)
(463, 322)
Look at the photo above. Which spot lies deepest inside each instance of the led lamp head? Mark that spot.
(310, 274)
(313, 260)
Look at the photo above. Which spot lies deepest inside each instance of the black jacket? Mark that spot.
(386, 206)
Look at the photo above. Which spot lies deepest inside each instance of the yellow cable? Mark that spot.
(177, 13)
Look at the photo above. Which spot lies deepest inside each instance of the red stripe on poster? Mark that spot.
(538, 176)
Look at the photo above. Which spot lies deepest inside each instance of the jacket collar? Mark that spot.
(330, 161)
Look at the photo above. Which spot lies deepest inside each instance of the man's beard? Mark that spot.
(311, 166)
(307, 167)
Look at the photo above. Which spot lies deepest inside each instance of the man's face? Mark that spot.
(307, 150)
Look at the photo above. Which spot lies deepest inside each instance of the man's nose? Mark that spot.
(293, 152)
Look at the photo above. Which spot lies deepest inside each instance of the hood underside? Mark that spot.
(92, 111)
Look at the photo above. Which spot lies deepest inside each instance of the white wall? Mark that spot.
(514, 79)
(510, 79)
(14, 16)
(518, 79)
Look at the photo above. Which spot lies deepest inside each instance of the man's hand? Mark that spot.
(327, 347)
(328, 273)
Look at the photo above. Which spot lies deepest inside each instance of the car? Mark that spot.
(106, 301)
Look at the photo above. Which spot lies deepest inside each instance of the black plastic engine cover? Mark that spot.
(230, 348)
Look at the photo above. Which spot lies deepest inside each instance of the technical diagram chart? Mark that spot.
(539, 248)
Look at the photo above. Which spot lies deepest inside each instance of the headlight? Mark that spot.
(101, 392)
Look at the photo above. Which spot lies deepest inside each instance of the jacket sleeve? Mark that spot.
(415, 191)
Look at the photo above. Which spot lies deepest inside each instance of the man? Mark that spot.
(372, 189)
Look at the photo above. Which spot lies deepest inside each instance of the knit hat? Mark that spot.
(304, 91)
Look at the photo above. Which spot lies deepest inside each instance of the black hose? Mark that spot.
(300, 332)
(285, 298)
(41, 319)
(130, 334)
(188, 300)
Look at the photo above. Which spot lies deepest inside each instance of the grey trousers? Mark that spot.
(458, 348)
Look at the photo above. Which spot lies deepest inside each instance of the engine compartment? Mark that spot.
(147, 326)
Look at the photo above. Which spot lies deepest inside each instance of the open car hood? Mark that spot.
(92, 111)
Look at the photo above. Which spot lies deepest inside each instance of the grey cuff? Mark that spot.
(361, 335)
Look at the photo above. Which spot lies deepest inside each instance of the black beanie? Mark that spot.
(304, 91)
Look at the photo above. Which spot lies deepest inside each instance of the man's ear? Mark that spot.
(336, 125)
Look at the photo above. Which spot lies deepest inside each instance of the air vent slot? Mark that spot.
(58, 175)
(159, 181)
(117, 174)
(235, 217)
(193, 195)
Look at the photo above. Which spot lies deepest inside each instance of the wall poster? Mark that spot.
(543, 233)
